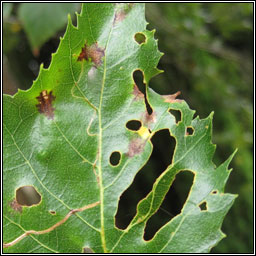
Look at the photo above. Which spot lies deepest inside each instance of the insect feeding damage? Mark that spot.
(15, 206)
(136, 146)
(92, 52)
(172, 97)
(45, 104)
(122, 9)
(137, 93)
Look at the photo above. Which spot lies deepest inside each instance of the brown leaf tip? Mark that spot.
(172, 97)
(136, 146)
(92, 52)
(15, 206)
(45, 104)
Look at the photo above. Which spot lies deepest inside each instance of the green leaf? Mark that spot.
(86, 98)
(42, 20)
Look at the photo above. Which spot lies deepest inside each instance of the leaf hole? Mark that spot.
(160, 158)
(115, 158)
(176, 114)
(27, 196)
(203, 206)
(214, 192)
(52, 212)
(140, 38)
(138, 78)
(172, 203)
(189, 131)
(87, 250)
(133, 125)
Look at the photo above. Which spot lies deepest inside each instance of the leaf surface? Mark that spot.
(59, 137)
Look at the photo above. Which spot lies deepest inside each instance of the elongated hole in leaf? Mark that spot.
(138, 79)
(27, 196)
(115, 158)
(133, 125)
(203, 206)
(160, 158)
(189, 131)
(140, 38)
(52, 212)
(214, 192)
(176, 114)
(172, 204)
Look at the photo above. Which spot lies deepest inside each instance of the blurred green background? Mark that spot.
(208, 56)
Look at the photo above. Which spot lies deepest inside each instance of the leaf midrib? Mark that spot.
(103, 240)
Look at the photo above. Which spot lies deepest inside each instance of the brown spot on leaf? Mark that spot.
(121, 11)
(172, 97)
(87, 250)
(136, 146)
(92, 52)
(137, 93)
(15, 206)
(45, 104)
(149, 118)
(119, 16)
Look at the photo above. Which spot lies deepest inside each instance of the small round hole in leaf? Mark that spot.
(190, 131)
(115, 158)
(203, 206)
(27, 196)
(133, 125)
(140, 38)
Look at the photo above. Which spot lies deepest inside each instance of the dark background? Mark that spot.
(208, 56)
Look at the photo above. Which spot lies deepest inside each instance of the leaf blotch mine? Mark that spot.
(136, 146)
(45, 104)
(27, 196)
(15, 206)
(92, 52)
